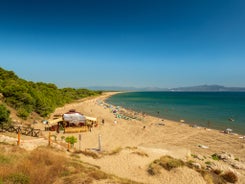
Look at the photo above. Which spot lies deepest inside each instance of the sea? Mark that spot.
(216, 110)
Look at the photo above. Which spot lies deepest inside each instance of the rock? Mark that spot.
(226, 156)
(237, 165)
(199, 157)
(196, 165)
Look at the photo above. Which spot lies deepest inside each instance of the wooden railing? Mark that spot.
(28, 131)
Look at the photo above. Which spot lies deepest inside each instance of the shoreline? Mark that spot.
(219, 128)
(146, 118)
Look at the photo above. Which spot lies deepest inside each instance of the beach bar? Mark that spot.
(72, 122)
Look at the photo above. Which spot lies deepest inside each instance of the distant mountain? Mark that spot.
(209, 88)
(117, 88)
(201, 88)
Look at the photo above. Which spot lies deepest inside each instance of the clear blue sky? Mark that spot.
(160, 43)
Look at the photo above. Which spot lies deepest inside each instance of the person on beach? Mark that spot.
(91, 126)
(103, 121)
(115, 121)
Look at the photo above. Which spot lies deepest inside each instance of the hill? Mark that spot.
(27, 97)
(209, 88)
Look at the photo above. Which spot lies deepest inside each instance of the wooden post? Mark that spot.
(68, 146)
(80, 140)
(49, 139)
(18, 142)
(99, 140)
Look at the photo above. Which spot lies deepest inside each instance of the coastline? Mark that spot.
(151, 136)
(129, 146)
(194, 113)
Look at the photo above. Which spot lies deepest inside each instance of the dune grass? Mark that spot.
(47, 165)
(215, 176)
(166, 162)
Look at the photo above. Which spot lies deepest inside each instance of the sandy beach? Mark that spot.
(154, 137)
(130, 146)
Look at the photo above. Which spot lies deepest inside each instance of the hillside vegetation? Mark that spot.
(27, 97)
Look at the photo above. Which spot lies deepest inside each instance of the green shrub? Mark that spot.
(215, 156)
(71, 139)
(4, 114)
(22, 113)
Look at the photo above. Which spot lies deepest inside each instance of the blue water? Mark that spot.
(208, 109)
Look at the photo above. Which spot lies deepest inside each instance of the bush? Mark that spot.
(215, 156)
(154, 169)
(230, 177)
(22, 113)
(4, 114)
(168, 162)
(71, 139)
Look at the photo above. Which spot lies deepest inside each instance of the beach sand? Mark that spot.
(130, 146)
(151, 137)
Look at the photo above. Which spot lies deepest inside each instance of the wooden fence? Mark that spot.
(28, 131)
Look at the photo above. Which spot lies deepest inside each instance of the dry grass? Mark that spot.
(92, 154)
(140, 153)
(115, 151)
(154, 169)
(211, 177)
(131, 148)
(46, 165)
(166, 162)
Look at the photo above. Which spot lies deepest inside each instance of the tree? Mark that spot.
(71, 139)
(27, 97)
(4, 114)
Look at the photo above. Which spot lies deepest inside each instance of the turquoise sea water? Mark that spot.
(209, 109)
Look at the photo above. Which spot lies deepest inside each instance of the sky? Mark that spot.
(138, 43)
